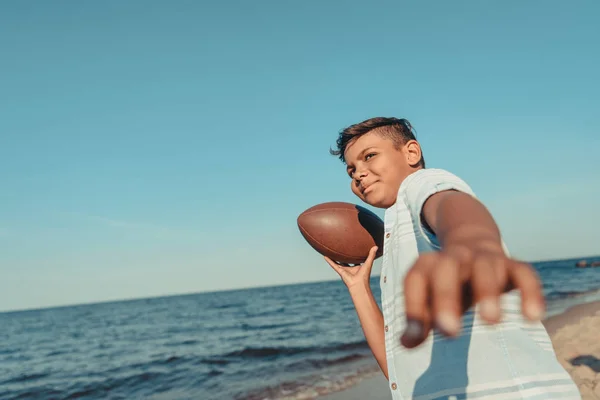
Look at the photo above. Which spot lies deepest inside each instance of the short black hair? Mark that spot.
(398, 130)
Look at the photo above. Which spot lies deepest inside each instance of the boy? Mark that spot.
(443, 254)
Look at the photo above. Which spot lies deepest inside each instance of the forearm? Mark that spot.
(371, 320)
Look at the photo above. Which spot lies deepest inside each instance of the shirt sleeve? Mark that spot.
(421, 185)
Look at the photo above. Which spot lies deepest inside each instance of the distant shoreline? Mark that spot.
(183, 294)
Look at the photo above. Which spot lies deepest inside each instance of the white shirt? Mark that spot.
(511, 360)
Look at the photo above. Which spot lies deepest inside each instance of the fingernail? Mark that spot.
(490, 308)
(413, 333)
(534, 311)
(414, 329)
(448, 323)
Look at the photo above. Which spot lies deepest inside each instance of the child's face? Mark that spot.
(377, 168)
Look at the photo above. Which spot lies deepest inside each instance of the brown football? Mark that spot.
(344, 232)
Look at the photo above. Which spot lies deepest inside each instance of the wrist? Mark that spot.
(360, 288)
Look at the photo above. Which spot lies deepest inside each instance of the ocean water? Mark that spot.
(293, 342)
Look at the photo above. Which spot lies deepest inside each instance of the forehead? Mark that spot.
(366, 141)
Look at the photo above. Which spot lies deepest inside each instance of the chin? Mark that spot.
(383, 205)
(378, 201)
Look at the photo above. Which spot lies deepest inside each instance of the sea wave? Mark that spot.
(310, 387)
(273, 352)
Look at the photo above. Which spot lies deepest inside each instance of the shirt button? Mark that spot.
(387, 235)
(386, 328)
(384, 279)
(394, 386)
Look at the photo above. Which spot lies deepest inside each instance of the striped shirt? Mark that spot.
(510, 360)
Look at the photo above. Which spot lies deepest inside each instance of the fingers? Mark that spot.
(439, 288)
(371, 258)
(491, 276)
(372, 254)
(418, 316)
(337, 267)
(432, 291)
(526, 280)
(446, 291)
(487, 288)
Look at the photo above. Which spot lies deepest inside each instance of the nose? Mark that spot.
(360, 174)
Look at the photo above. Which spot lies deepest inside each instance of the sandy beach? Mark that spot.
(576, 338)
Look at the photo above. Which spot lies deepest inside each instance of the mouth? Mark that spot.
(367, 188)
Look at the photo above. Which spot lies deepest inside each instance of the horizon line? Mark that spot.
(233, 289)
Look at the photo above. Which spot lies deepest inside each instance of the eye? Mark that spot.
(368, 156)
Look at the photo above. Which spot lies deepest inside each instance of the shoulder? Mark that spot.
(419, 187)
(424, 183)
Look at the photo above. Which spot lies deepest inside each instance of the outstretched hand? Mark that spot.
(357, 274)
(441, 286)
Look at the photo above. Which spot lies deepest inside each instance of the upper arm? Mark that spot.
(425, 193)
(430, 210)
(453, 210)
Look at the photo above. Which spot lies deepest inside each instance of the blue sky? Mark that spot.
(151, 148)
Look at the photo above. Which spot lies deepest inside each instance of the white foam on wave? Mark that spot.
(558, 306)
(315, 386)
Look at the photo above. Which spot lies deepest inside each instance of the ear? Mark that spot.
(412, 151)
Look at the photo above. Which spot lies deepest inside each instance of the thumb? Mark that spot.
(371, 257)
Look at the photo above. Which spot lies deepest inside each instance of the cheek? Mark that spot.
(357, 192)
(393, 180)
(381, 167)
(391, 173)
